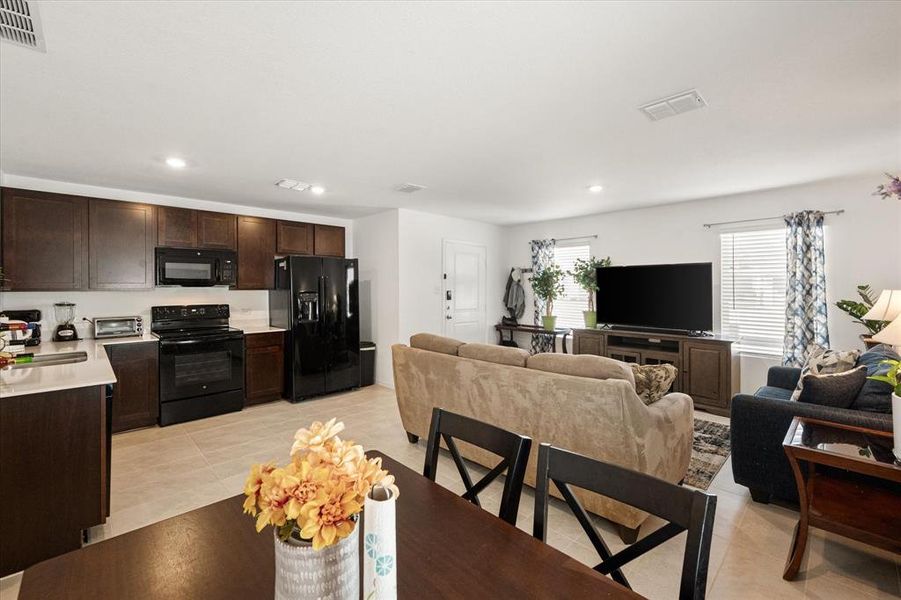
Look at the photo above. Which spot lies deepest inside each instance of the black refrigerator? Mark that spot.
(316, 300)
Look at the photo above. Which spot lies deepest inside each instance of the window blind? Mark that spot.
(752, 291)
(575, 300)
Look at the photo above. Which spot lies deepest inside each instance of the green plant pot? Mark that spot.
(549, 322)
(591, 319)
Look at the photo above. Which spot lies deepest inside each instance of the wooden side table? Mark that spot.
(859, 497)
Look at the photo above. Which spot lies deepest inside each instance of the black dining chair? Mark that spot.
(684, 509)
(511, 447)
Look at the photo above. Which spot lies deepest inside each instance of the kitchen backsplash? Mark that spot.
(246, 305)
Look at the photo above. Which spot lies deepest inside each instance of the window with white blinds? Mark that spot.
(752, 291)
(575, 300)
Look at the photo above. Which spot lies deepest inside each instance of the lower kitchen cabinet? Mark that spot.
(136, 401)
(264, 363)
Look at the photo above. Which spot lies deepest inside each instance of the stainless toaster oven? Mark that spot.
(110, 327)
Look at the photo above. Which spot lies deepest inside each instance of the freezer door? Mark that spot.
(342, 322)
(309, 356)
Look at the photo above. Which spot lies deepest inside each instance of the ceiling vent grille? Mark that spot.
(409, 188)
(20, 24)
(673, 105)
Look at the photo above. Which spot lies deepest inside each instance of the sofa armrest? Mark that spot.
(783, 377)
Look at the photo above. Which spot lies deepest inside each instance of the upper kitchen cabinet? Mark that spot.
(187, 228)
(256, 253)
(294, 238)
(176, 227)
(217, 230)
(44, 241)
(329, 241)
(122, 238)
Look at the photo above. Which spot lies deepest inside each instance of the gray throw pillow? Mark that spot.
(823, 361)
(875, 396)
(838, 390)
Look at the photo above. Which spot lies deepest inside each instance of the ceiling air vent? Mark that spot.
(409, 188)
(20, 24)
(673, 105)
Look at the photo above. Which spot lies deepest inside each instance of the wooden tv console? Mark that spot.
(708, 366)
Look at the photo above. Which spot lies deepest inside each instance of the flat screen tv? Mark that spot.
(678, 297)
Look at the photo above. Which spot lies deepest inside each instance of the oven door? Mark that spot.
(198, 367)
(189, 269)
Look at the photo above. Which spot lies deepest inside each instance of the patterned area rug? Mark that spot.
(709, 451)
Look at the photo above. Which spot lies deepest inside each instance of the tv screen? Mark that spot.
(657, 296)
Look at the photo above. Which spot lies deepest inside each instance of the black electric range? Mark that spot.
(201, 362)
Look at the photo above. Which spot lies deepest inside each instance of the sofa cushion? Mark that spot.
(652, 382)
(837, 390)
(502, 355)
(581, 365)
(822, 361)
(875, 396)
(435, 343)
(773, 393)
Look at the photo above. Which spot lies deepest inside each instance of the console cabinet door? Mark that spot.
(136, 400)
(294, 238)
(122, 238)
(329, 240)
(588, 343)
(177, 227)
(704, 375)
(256, 253)
(264, 359)
(44, 241)
(217, 230)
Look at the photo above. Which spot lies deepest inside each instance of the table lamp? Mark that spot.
(886, 308)
(892, 335)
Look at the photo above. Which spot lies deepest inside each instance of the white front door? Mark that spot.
(464, 293)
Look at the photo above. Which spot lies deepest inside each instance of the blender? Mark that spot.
(65, 316)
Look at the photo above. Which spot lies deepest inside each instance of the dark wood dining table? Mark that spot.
(446, 548)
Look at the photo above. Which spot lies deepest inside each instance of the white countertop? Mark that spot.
(251, 327)
(95, 371)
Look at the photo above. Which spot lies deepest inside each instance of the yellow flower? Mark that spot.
(316, 436)
(328, 518)
(252, 486)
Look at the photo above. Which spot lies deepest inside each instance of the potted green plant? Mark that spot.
(548, 286)
(893, 378)
(858, 309)
(585, 274)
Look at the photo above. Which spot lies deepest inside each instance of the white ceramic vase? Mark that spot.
(332, 573)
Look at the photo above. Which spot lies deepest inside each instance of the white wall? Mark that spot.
(245, 304)
(376, 243)
(861, 245)
(421, 241)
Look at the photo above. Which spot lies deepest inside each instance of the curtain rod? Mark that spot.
(709, 225)
(578, 237)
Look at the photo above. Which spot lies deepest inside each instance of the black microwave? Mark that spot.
(189, 267)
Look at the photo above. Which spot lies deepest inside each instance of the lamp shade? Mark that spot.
(891, 334)
(886, 308)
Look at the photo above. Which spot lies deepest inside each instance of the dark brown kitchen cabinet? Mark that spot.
(176, 227)
(256, 253)
(329, 241)
(120, 248)
(264, 360)
(294, 238)
(136, 400)
(217, 230)
(44, 241)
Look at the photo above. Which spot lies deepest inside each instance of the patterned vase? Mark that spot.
(332, 573)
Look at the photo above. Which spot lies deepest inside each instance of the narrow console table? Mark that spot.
(708, 366)
(532, 329)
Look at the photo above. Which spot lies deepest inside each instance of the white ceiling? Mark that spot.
(506, 111)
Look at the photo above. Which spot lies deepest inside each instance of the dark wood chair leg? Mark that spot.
(628, 535)
(412, 438)
(758, 495)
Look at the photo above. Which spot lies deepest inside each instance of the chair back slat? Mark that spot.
(513, 449)
(684, 509)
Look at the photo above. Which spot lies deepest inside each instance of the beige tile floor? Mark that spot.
(161, 472)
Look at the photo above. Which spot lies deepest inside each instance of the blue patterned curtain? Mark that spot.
(805, 297)
(542, 257)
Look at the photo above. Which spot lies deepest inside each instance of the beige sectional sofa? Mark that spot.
(586, 404)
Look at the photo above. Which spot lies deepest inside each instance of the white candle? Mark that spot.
(379, 546)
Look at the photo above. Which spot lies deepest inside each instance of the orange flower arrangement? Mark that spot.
(320, 491)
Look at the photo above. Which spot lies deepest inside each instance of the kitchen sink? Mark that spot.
(60, 358)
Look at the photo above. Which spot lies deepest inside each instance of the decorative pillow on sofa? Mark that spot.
(875, 396)
(822, 361)
(581, 365)
(837, 390)
(435, 343)
(652, 382)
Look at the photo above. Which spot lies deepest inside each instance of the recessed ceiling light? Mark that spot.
(317, 189)
(594, 189)
(176, 163)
